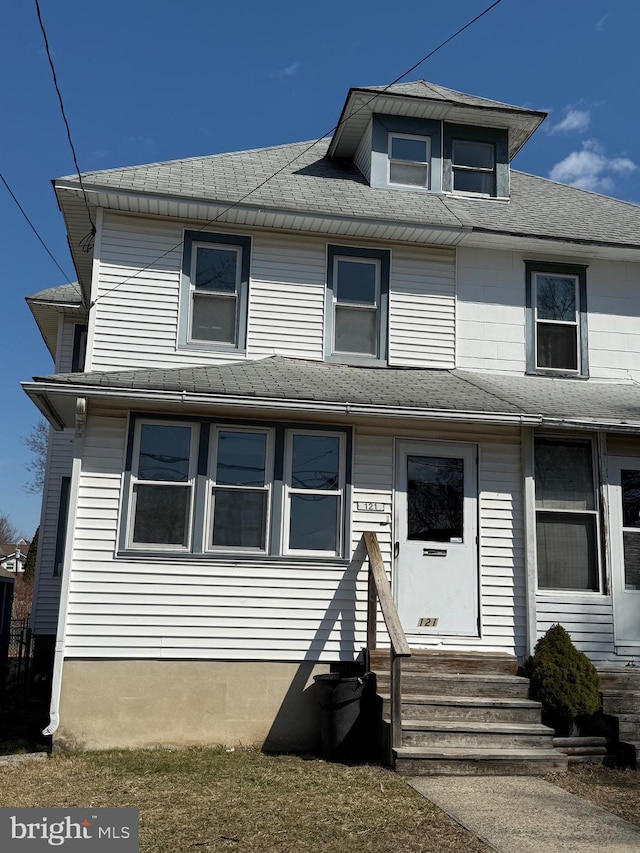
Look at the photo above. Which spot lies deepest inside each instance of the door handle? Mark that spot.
(396, 549)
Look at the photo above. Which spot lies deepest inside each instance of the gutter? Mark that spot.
(38, 393)
(58, 656)
(226, 206)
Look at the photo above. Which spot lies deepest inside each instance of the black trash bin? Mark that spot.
(343, 718)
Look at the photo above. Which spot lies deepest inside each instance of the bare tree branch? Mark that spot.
(37, 442)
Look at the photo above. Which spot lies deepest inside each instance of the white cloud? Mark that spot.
(591, 169)
(574, 120)
(289, 71)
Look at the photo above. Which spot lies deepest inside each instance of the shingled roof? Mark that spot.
(309, 182)
(413, 389)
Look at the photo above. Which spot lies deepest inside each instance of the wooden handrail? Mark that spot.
(379, 590)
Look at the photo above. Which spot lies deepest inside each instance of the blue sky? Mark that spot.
(151, 80)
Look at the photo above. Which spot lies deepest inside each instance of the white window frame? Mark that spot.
(426, 163)
(596, 513)
(574, 323)
(212, 485)
(134, 481)
(193, 290)
(290, 490)
(375, 306)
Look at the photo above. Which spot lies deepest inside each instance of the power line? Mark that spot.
(301, 153)
(64, 118)
(33, 227)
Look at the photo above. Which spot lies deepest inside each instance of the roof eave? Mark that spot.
(526, 121)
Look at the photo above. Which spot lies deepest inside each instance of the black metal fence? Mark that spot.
(19, 662)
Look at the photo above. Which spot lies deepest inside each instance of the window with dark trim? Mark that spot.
(61, 531)
(567, 516)
(556, 300)
(357, 303)
(199, 487)
(214, 291)
(475, 161)
(79, 348)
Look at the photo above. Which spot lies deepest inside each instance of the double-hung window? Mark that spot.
(475, 160)
(474, 167)
(557, 325)
(567, 522)
(409, 159)
(358, 288)
(207, 488)
(240, 490)
(214, 291)
(314, 488)
(162, 486)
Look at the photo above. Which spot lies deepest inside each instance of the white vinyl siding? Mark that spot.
(286, 312)
(46, 598)
(273, 610)
(422, 308)
(589, 623)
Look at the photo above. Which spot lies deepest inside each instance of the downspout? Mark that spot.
(58, 658)
(531, 573)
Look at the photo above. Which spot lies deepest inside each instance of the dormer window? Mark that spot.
(409, 158)
(475, 161)
(474, 167)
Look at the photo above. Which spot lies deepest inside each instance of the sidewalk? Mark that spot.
(522, 814)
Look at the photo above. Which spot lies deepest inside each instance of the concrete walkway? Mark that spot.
(521, 814)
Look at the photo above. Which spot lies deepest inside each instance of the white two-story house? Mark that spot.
(391, 331)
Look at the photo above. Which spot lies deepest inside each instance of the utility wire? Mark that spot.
(301, 153)
(64, 116)
(33, 227)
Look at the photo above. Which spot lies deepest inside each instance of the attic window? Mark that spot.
(409, 158)
(474, 167)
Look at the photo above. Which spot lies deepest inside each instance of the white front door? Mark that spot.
(624, 478)
(436, 548)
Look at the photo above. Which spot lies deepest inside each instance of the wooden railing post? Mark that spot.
(379, 590)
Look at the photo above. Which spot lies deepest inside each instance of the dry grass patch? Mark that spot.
(212, 800)
(618, 791)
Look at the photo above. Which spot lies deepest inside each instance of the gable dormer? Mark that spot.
(420, 136)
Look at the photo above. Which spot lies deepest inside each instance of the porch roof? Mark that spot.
(302, 385)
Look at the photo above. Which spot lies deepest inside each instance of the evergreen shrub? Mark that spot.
(562, 678)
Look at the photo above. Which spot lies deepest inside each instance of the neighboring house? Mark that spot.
(13, 556)
(391, 331)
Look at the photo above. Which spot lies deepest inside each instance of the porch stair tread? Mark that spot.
(466, 713)
(474, 752)
(465, 701)
(471, 761)
(479, 727)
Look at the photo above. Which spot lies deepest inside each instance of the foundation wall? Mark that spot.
(146, 703)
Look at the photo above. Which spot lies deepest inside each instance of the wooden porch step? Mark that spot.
(437, 660)
(621, 702)
(619, 678)
(474, 708)
(465, 761)
(452, 733)
(448, 684)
